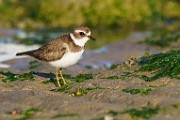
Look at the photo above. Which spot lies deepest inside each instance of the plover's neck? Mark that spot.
(79, 42)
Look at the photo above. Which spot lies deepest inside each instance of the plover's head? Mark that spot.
(81, 35)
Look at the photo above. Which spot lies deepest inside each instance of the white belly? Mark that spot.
(68, 59)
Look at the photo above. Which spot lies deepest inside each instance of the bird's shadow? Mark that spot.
(44, 75)
(50, 76)
(40, 74)
(8, 74)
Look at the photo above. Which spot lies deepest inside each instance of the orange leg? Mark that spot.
(60, 71)
(57, 78)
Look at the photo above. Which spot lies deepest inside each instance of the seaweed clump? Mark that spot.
(65, 115)
(162, 64)
(144, 112)
(10, 77)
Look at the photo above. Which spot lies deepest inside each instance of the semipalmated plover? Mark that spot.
(63, 51)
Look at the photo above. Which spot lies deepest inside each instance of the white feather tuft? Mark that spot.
(81, 42)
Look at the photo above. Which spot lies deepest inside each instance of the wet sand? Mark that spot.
(95, 104)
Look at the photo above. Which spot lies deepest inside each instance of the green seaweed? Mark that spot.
(143, 91)
(144, 112)
(63, 88)
(34, 64)
(28, 114)
(147, 112)
(112, 77)
(65, 115)
(50, 80)
(114, 113)
(88, 67)
(78, 92)
(17, 77)
(162, 64)
(113, 66)
(68, 76)
(83, 77)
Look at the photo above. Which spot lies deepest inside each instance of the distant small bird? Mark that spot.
(63, 51)
(131, 62)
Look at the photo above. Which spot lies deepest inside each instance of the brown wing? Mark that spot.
(52, 51)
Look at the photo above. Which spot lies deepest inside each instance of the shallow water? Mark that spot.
(9, 47)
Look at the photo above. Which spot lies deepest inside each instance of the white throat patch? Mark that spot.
(80, 42)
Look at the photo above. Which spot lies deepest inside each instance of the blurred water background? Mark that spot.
(27, 24)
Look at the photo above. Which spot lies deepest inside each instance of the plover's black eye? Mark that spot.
(81, 33)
